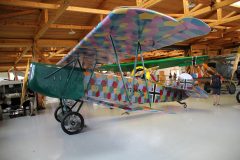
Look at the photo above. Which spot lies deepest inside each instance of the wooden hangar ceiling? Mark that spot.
(45, 30)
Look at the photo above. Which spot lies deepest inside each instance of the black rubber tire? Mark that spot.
(58, 114)
(238, 96)
(185, 106)
(207, 87)
(231, 88)
(79, 125)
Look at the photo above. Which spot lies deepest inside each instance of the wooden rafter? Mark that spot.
(57, 52)
(19, 13)
(92, 18)
(232, 29)
(185, 6)
(22, 43)
(41, 5)
(23, 53)
(45, 15)
(60, 11)
(90, 21)
(139, 2)
(209, 8)
(224, 36)
(62, 26)
(225, 20)
(88, 10)
(55, 26)
(219, 11)
(101, 17)
(56, 43)
(29, 4)
(230, 14)
(150, 3)
(196, 7)
(18, 24)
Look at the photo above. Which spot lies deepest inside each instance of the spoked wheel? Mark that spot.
(60, 112)
(238, 96)
(72, 123)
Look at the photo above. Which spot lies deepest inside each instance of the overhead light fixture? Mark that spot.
(236, 4)
(71, 32)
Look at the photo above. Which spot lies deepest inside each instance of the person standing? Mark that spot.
(33, 102)
(216, 88)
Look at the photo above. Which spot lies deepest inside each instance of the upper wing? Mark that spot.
(128, 26)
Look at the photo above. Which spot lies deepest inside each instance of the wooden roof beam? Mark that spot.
(23, 53)
(221, 39)
(18, 43)
(225, 20)
(150, 3)
(139, 2)
(16, 14)
(18, 24)
(197, 7)
(185, 6)
(55, 26)
(219, 11)
(56, 53)
(56, 43)
(232, 29)
(6, 43)
(230, 14)
(62, 26)
(61, 9)
(209, 8)
(29, 4)
(45, 15)
(88, 10)
(41, 5)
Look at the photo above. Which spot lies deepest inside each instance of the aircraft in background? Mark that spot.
(125, 32)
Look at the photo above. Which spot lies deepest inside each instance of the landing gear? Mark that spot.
(60, 112)
(238, 96)
(183, 103)
(64, 108)
(72, 122)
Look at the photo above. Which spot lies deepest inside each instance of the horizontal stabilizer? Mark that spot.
(197, 92)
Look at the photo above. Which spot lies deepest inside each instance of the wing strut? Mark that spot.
(144, 71)
(91, 76)
(135, 65)
(120, 69)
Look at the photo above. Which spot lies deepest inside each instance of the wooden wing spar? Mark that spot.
(129, 27)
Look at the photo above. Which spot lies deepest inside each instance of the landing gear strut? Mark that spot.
(72, 122)
(183, 103)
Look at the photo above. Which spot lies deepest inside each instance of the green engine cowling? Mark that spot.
(52, 81)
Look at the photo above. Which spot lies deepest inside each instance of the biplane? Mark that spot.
(125, 32)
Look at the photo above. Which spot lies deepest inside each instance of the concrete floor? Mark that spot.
(202, 131)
